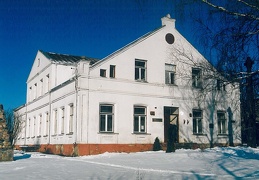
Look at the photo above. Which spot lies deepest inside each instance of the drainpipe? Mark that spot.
(212, 112)
(88, 103)
(49, 114)
(25, 132)
(76, 94)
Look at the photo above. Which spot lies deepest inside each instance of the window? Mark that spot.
(46, 123)
(35, 91)
(47, 86)
(139, 119)
(30, 94)
(170, 73)
(41, 87)
(71, 114)
(196, 78)
(34, 127)
(140, 70)
(112, 71)
(197, 121)
(106, 118)
(220, 85)
(39, 125)
(29, 128)
(103, 72)
(55, 118)
(222, 126)
(24, 127)
(62, 115)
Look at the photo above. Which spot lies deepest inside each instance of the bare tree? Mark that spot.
(14, 124)
(230, 33)
(210, 88)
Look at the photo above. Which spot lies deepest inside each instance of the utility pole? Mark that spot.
(250, 111)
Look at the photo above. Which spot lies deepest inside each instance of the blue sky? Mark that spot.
(76, 27)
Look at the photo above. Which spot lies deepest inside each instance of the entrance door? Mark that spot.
(171, 120)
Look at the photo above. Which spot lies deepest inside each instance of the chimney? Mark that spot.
(167, 21)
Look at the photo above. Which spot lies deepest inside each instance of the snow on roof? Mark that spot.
(64, 58)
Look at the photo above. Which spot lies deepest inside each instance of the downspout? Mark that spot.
(88, 105)
(49, 115)
(49, 90)
(25, 132)
(76, 94)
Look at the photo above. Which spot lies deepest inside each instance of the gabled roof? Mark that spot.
(133, 43)
(67, 59)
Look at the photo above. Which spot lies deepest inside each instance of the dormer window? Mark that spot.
(103, 72)
(140, 70)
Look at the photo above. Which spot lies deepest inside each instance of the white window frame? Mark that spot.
(39, 125)
(35, 91)
(112, 71)
(47, 82)
(196, 77)
(71, 118)
(103, 72)
(170, 71)
(55, 121)
(138, 125)
(103, 123)
(46, 124)
(34, 127)
(197, 121)
(140, 71)
(222, 122)
(29, 128)
(62, 120)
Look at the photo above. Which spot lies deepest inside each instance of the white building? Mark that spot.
(78, 105)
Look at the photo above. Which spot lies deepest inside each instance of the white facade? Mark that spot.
(131, 96)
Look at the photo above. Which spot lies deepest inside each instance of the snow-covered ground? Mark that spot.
(216, 163)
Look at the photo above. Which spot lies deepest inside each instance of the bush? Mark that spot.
(157, 145)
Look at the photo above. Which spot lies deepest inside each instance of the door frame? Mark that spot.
(169, 110)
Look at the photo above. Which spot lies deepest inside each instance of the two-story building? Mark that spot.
(121, 103)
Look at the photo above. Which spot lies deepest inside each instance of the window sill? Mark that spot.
(171, 84)
(223, 135)
(45, 136)
(141, 81)
(61, 134)
(53, 135)
(141, 133)
(198, 87)
(38, 136)
(200, 134)
(70, 133)
(107, 133)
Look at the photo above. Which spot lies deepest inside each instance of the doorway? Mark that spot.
(171, 123)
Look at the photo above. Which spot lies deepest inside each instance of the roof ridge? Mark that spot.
(66, 58)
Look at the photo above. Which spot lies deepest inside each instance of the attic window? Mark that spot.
(38, 62)
(169, 38)
(112, 71)
(103, 72)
